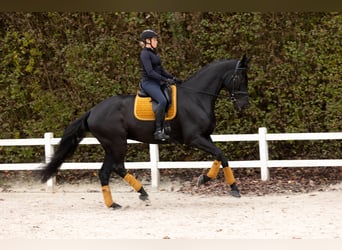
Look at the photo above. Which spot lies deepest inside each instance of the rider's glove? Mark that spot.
(177, 80)
(170, 81)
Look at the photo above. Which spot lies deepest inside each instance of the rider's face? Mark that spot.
(154, 42)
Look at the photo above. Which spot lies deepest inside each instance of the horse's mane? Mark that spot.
(204, 68)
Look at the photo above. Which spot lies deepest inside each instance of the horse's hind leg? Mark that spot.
(104, 175)
(120, 170)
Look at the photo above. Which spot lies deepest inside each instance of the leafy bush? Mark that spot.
(55, 66)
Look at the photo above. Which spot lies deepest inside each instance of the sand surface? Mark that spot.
(77, 212)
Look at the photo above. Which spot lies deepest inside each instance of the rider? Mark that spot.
(153, 77)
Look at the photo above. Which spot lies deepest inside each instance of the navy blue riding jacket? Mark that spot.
(151, 66)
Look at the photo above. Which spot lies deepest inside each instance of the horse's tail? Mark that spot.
(72, 136)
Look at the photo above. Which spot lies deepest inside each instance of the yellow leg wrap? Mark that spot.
(107, 196)
(228, 175)
(213, 172)
(133, 182)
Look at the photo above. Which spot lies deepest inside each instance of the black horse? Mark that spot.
(112, 122)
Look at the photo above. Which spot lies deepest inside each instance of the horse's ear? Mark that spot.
(245, 61)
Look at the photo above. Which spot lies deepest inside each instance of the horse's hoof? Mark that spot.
(145, 199)
(147, 203)
(202, 179)
(115, 206)
(235, 193)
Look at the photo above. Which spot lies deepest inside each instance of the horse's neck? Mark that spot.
(209, 79)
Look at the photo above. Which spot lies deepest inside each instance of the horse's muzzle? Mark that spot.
(241, 103)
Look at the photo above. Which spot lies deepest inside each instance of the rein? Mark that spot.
(232, 78)
(200, 91)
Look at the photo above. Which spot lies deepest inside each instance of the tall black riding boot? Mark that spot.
(159, 133)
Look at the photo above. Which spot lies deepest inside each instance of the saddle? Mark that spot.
(144, 105)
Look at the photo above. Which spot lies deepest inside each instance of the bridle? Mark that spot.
(232, 79)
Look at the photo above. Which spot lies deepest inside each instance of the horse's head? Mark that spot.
(237, 84)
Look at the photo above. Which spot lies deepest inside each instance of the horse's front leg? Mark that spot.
(207, 145)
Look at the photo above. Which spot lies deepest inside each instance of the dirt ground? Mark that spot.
(77, 212)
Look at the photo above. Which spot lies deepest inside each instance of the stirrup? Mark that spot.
(160, 135)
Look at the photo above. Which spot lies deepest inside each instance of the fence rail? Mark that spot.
(154, 164)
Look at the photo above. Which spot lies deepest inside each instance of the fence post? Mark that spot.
(49, 150)
(263, 151)
(154, 159)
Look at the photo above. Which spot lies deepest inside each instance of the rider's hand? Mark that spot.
(170, 81)
(177, 80)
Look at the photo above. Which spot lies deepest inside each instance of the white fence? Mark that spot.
(154, 164)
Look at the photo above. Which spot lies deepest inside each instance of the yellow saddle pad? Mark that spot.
(143, 107)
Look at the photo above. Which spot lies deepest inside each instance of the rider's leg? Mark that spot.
(154, 90)
(159, 133)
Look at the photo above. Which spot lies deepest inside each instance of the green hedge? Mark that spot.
(55, 66)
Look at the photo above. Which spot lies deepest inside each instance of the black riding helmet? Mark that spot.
(148, 34)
